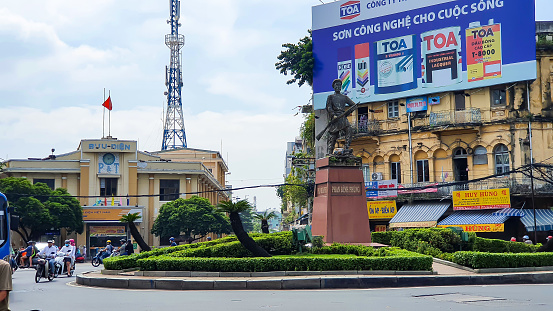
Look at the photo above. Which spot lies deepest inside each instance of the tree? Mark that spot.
(234, 209)
(190, 218)
(247, 218)
(265, 217)
(298, 60)
(40, 209)
(130, 219)
(307, 133)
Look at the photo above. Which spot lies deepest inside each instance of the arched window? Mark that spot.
(501, 156)
(480, 156)
(460, 153)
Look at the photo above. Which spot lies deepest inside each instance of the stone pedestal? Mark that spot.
(340, 205)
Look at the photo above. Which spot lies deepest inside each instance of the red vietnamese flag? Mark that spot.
(107, 103)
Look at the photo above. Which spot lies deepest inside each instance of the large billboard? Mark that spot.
(387, 49)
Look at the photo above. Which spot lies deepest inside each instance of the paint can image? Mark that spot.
(484, 60)
(345, 69)
(362, 72)
(442, 63)
(394, 65)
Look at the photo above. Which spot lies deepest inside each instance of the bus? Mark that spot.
(4, 227)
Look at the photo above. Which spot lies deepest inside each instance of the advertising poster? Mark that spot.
(381, 209)
(381, 185)
(417, 104)
(481, 199)
(391, 49)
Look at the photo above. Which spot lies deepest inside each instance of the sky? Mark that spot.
(58, 56)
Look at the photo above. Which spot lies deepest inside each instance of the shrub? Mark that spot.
(400, 260)
(500, 246)
(480, 260)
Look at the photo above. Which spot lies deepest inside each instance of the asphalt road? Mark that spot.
(63, 294)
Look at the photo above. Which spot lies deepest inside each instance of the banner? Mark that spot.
(381, 209)
(479, 228)
(481, 199)
(411, 48)
(109, 214)
(101, 231)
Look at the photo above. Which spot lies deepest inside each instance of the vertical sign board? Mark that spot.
(388, 49)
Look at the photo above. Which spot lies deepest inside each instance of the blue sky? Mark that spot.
(58, 55)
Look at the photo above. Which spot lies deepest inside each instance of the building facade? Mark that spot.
(462, 137)
(112, 178)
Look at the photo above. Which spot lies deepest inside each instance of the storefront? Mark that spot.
(485, 223)
(102, 224)
(419, 215)
(380, 213)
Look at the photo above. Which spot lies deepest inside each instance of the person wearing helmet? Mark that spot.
(526, 239)
(172, 241)
(67, 251)
(513, 239)
(49, 252)
(107, 250)
(122, 248)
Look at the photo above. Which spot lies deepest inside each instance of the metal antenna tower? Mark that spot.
(173, 131)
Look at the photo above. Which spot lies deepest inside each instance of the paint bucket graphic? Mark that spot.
(394, 64)
(345, 69)
(442, 64)
(362, 72)
(484, 60)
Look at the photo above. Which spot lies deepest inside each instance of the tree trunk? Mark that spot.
(264, 226)
(138, 238)
(244, 238)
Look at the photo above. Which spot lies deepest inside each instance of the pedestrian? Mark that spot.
(5, 285)
(129, 247)
(526, 239)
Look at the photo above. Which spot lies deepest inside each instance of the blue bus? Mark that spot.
(4, 227)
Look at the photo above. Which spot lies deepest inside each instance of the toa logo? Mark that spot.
(350, 10)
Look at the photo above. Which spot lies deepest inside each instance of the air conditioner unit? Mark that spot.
(376, 176)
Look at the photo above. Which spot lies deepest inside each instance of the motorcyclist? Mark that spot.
(28, 253)
(49, 252)
(172, 241)
(122, 249)
(67, 252)
(107, 250)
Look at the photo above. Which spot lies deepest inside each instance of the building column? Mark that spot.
(151, 206)
(188, 179)
(64, 181)
(431, 172)
(133, 183)
(84, 184)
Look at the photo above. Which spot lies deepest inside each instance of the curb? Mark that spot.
(314, 282)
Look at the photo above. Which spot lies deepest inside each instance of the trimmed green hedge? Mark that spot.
(481, 260)
(278, 243)
(500, 246)
(403, 260)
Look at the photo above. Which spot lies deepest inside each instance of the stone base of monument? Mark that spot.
(340, 205)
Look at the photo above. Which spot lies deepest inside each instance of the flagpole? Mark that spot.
(104, 116)
(109, 116)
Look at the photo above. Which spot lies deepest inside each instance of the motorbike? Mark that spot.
(97, 260)
(43, 271)
(61, 267)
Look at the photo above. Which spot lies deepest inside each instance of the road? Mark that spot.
(62, 293)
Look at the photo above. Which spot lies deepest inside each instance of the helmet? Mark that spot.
(66, 241)
(123, 240)
(171, 239)
(108, 241)
(549, 237)
(513, 239)
(30, 242)
(526, 237)
(50, 241)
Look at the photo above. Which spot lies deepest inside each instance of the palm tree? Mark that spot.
(264, 217)
(233, 209)
(130, 219)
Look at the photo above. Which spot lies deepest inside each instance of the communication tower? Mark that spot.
(174, 135)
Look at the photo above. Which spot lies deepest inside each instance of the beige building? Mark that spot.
(112, 178)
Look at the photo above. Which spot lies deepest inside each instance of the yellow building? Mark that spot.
(463, 136)
(112, 178)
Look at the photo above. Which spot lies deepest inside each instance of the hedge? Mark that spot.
(403, 261)
(501, 246)
(481, 260)
(279, 243)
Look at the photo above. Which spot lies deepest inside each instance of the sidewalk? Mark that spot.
(444, 274)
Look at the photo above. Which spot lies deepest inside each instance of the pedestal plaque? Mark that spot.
(340, 205)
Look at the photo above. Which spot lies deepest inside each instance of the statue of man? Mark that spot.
(336, 106)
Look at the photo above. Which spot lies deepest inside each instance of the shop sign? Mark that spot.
(373, 193)
(481, 199)
(381, 209)
(417, 104)
(380, 228)
(413, 224)
(109, 214)
(102, 231)
(479, 228)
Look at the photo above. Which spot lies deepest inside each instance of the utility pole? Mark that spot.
(531, 161)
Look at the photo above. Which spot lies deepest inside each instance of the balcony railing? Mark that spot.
(472, 115)
(370, 127)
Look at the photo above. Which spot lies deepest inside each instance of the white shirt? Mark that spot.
(67, 250)
(49, 252)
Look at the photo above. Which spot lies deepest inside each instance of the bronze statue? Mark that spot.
(337, 118)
